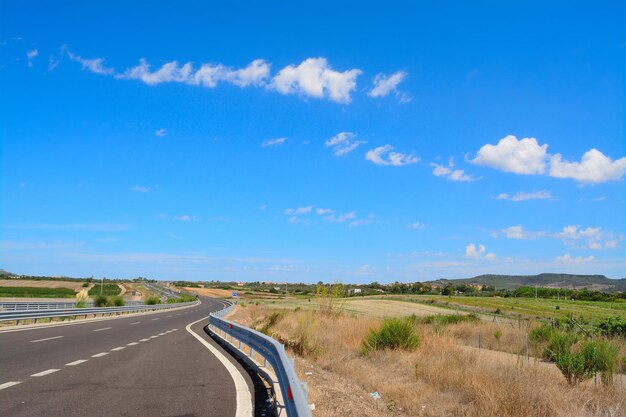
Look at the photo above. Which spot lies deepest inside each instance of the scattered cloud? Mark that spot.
(416, 225)
(568, 259)
(383, 155)
(160, 132)
(473, 252)
(524, 156)
(601, 198)
(516, 232)
(299, 210)
(340, 218)
(141, 189)
(362, 222)
(93, 65)
(185, 218)
(343, 143)
(365, 269)
(323, 211)
(594, 167)
(263, 207)
(386, 84)
(313, 77)
(31, 55)
(589, 238)
(527, 157)
(273, 142)
(450, 173)
(522, 196)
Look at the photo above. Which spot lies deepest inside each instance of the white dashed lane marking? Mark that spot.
(104, 328)
(99, 355)
(46, 372)
(162, 334)
(153, 337)
(132, 344)
(118, 348)
(9, 384)
(78, 362)
(144, 340)
(47, 338)
(137, 322)
(155, 319)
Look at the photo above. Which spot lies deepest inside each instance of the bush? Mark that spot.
(100, 301)
(606, 356)
(85, 284)
(541, 334)
(445, 319)
(574, 366)
(116, 301)
(81, 304)
(394, 333)
(560, 344)
(613, 326)
(152, 301)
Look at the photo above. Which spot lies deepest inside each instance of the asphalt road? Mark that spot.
(139, 365)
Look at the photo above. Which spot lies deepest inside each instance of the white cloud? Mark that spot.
(32, 54)
(523, 156)
(522, 196)
(343, 143)
(385, 84)
(362, 222)
(141, 189)
(313, 77)
(527, 157)
(160, 132)
(416, 225)
(262, 207)
(594, 167)
(273, 142)
(299, 210)
(590, 238)
(323, 211)
(567, 259)
(473, 252)
(207, 75)
(184, 218)
(452, 174)
(516, 232)
(342, 217)
(94, 65)
(383, 155)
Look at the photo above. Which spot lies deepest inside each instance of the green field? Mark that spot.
(107, 289)
(33, 292)
(526, 307)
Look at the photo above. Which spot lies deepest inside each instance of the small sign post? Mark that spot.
(235, 296)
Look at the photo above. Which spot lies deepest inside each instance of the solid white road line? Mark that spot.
(132, 344)
(118, 348)
(144, 340)
(78, 362)
(9, 384)
(47, 338)
(244, 398)
(47, 372)
(99, 355)
(104, 328)
(137, 322)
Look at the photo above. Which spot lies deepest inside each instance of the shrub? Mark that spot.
(541, 334)
(394, 333)
(152, 301)
(560, 344)
(85, 284)
(604, 359)
(100, 301)
(271, 320)
(613, 326)
(445, 319)
(117, 301)
(81, 304)
(574, 366)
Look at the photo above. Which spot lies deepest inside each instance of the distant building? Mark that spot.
(354, 291)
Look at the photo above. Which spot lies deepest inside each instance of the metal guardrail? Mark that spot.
(293, 391)
(52, 305)
(73, 312)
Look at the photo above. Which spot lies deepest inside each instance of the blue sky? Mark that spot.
(350, 141)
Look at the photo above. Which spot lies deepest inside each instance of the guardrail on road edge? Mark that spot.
(294, 392)
(74, 312)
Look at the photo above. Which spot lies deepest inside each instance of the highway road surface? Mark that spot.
(139, 365)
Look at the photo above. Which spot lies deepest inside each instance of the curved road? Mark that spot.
(137, 365)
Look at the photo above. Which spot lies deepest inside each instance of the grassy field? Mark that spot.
(51, 283)
(107, 289)
(33, 292)
(405, 305)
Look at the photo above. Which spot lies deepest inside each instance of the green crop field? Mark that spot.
(107, 289)
(527, 307)
(33, 292)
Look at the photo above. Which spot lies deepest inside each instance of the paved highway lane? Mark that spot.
(133, 366)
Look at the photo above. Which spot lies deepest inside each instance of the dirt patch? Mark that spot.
(74, 285)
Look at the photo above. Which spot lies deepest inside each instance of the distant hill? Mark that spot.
(569, 281)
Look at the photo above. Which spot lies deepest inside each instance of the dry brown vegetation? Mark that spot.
(445, 376)
(210, 292)
(74, 285)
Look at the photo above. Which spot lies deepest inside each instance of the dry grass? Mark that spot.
(443, 377)
(210, 292)
(74, 285)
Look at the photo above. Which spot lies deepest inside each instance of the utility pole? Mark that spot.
(286, 289)
(101, 285)
(535, 291)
